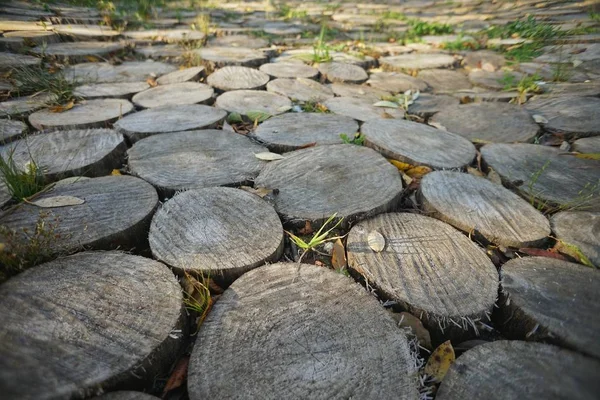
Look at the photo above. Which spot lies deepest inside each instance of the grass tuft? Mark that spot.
(21, 181)
(37, 79)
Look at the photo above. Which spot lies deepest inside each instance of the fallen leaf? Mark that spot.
(59, 109)
(542, 253)
(475, 172)
(437, 125)
(418, 172)
(376, 241)
(260, 192)
(258, 116)
(539, 119)
(307, 145)
(268, 156)
(387, 104)
(401, 165)
(440, 361)
(58, 201)
(573, 251)
(178, 376)
(307, 230)
(115, 172)
(152, 82)
(588, 156)
(338, 256)
(480, 141)
(92, 58)
(407, 320)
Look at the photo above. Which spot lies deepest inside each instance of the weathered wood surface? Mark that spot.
(484, 59)
(86, 323)
(428, 104)
(219, 232)
(116, 212)
(360, 91)
(574, 115)
(245, 101)
(169, 119)
(471, 203)
(317, 182)
(416, 61)
(292, 131)
(542, 174)
(235, 78)
(307, 55)
(545, 299)
(173, 51)
(587, 145)
(9, 61)
(110, 90)
(195, 159)
(86, 32)
(78, 50)
(183, 75)
(496, 80)
(300, 89)
(10, 130)
(289, 70)
(5, 196)
(428, 267)
(33, 37)
(417, 144)
(14, 25)
(581, 229)
(490, 122)
(125, 395)
(343, 72)
(87, 114)
(395, 82)
(243, 41)
(20, 106)
(166, 35)
(129, 71)
(282, 331)
(444, 80)
(223, 56)
(88, 152)
(173, 95)
(361, 109)
(515, 370)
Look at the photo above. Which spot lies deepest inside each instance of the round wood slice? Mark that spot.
(195, 159)
(444, 80)
(88, 152)
(160, 51)
(125, 395)
(300, 89)
(130, 71)
(416, 61)
(78, 50)
(33, 37)
(9, 61)
(110, 90)
(166, 35)
(15, 25)
(581, 229)
(299, 331)
(515, 370)
(307, 55)
(243, 41)
(488, 122)
(219, 232)
(471, 203)
(428, 104)
(86, 323)
(10, 129)
(395, 82)
(361, 109)
(223, 56)
(289, 70)
(292, 131)
(86, 32)
(541, 173)
(116, 213)
(428, 267)
(183, 75)
(5, 195)
(545, 299)
(87, 114)
(244, 101)
(169, 119)
(24, 105)
(494, 79)
(315, 183)
(587, 145)
(282, 28)
(478, 95)
(343, 72)
(360, 91)
(173, 95)
(235, 78)
(484, 59)
(417, 144)
(573, 115)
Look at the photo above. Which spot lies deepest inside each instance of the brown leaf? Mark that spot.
(440, 361)
(338, 256)
(418, 172)
(402, 166)
(178, 376)
(588, 156)
(307, 145)
(260, 192)
(115, 172)
(92, 58)
(307, 230)
(475, 172)
(416, 326)
(59, 109)
(542, 253)
(152, 81)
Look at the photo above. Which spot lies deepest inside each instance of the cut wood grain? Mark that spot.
(300, 89)
(361, 109)
(395, 82)
(8, 61)
(183, 75)
(223, 56)
(360, 91)
(11, 129)
(78, 50)
(125, 395)
(581, 229)
(444, 80)
(431, 269)
(573, 115)
(235, 78)
(173, 95)
(587, 145)
(282, 331)
(416, 61)
(343, 72)
(243, 41)
(428, 104)
(545, 299)
(245, 101)
(86, 323)
(129, 71)
(119, 90)
(20, 106)
(166, 35)
(289, 70)
(86, 32)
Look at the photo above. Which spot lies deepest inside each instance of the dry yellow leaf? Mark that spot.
(401, 165)
(115, 172)
(440, 361)
(152, 82)
(338, 257)
(475, 172)
(588, 156)
(418, 172)
(92, 58)
(59, 109)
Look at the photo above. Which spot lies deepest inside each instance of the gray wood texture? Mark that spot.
(11, 129)
(444, 80)
(125, 395)
(545, 299)
(395, 82)
(543, 174)
(289, 70)
(573, 115)
(587, 145)
(129, 71)
(195, 159)
(515, 370)
(472, 203)
(343, 72)
(360, 91)
(496, 80)
(86, 323)
(307, 55)
(581, 229)
(300, 89)
(299, 331)
(4, 194)
(219, 232)
(88, 152)
(183, 75)
(416, 61)
(78, 50)
(244, 101)
(417, 144)
(488, 122)
(235, 78)
(243, 41)
(86, 32)
(21, 106)
(8, 61)
(428, 267)
(428, 104)
(223, 56)
(116, 213)
(87, 114)
(174, 94)
(119, 90)
(166, 35)
(169, 119)
(290, 131)
(361, 109)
